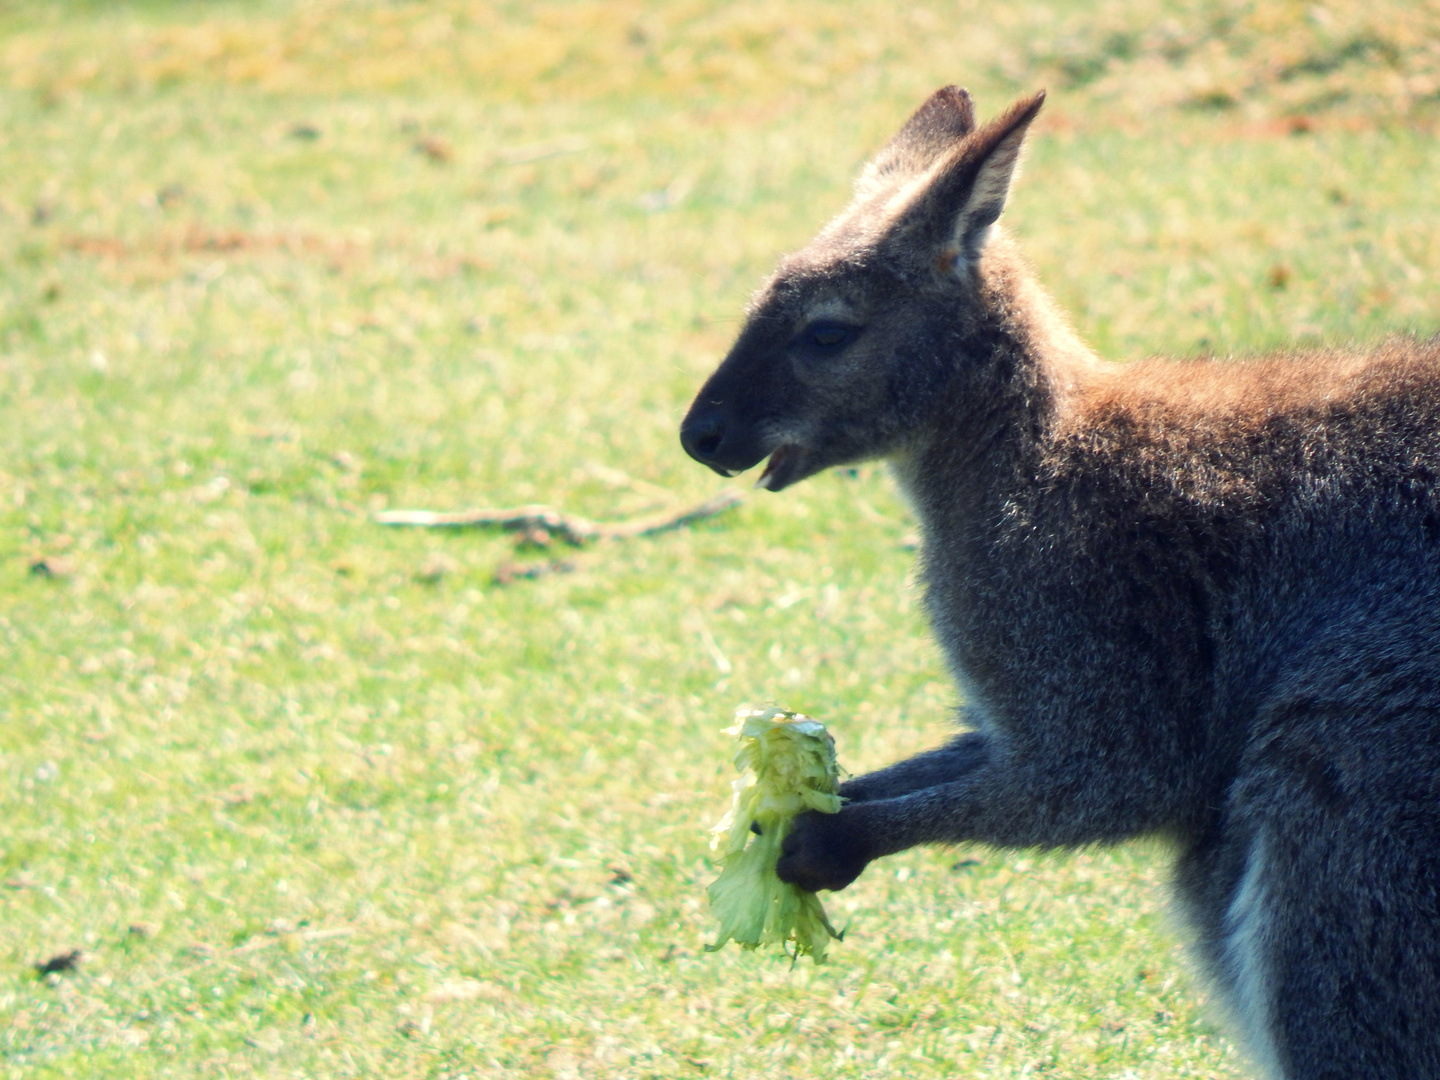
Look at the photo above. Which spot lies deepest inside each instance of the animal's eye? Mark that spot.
(828, 336)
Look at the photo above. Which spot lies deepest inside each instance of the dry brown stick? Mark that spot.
(568, 527)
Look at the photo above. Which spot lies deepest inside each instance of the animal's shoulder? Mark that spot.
(1314, 410)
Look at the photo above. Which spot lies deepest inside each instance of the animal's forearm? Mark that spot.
(1007, 803)
(940, 766)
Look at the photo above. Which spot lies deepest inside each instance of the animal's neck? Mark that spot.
(1022, 369)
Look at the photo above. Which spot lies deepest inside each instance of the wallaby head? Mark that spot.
(849, 346)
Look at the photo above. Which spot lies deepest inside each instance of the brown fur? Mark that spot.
(1197, 599)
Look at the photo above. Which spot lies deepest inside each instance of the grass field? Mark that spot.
(318, 798)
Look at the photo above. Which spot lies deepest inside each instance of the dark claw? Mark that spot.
(852, 791)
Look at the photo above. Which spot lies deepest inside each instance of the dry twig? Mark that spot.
(538, 524)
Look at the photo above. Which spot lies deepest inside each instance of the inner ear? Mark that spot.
(952, 213)
(973, 229)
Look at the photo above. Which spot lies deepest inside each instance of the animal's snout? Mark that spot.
(702, 434)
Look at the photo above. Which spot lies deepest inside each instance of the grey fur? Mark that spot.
(1194, 599)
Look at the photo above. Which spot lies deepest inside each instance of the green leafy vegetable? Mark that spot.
(787, 764)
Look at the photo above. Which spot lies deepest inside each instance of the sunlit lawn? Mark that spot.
(314, 797)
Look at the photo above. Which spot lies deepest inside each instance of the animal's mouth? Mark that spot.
(784, 464)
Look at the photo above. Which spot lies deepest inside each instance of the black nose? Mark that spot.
(701, 435)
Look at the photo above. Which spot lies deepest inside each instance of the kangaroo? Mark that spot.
(1195, 599)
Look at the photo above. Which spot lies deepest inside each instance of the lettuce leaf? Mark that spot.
(787, 765)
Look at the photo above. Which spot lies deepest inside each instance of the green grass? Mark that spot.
(320, 798)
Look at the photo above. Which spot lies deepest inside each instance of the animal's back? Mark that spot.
(1302, 490)
(1217, 427)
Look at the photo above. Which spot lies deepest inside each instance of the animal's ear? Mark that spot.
(947, 116)
(951, 215)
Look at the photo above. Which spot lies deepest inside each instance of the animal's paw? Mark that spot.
(823, 851)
